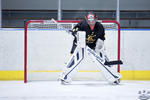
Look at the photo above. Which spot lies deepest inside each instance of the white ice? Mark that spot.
(78, 90)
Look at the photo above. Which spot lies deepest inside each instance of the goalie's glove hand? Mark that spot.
(74, 33)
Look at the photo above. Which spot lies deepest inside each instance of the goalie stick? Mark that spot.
(115, 62)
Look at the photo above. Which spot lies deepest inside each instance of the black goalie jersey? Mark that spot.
(91, 35)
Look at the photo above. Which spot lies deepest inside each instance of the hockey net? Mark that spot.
(47, 46)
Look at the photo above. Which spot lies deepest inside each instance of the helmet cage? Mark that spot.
(91, 19)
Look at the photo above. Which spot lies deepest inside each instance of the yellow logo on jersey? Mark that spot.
(90, 38)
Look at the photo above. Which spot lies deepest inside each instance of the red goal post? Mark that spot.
(65, 21)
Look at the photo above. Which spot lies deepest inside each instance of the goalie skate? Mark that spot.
(63, 80)
(117, 81)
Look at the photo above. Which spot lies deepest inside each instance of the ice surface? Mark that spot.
(78, 90)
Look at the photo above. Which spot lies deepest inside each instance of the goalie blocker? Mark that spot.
(108, 72)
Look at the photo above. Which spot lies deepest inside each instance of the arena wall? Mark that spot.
(75, 5)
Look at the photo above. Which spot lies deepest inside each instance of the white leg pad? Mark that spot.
(72, 64)
(108, 72)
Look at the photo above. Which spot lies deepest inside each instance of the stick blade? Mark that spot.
(117, 62)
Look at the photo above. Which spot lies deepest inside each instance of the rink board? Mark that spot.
(11, 64)
(126, 75)
(50, 50)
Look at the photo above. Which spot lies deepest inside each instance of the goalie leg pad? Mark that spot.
(75, 60)
(108, 72)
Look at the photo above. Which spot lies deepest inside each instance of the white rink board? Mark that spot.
(49, 50)
(135, 51)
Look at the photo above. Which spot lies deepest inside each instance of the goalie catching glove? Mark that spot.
(101, 51)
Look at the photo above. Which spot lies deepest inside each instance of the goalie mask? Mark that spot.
(91, 18)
